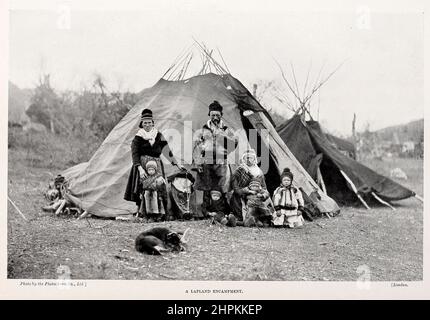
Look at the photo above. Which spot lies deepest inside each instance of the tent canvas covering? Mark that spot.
(182, 106)
(313, 150)
(342, 145)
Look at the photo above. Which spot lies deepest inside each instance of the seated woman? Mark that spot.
(250, 201)
(288, 202)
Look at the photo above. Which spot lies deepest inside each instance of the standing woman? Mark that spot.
(148, 145)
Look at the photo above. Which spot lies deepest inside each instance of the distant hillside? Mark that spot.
(19, 99)
(412, 131)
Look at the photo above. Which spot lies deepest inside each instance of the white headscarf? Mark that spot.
(253, 169)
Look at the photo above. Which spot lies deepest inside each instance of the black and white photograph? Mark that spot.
(236, 142)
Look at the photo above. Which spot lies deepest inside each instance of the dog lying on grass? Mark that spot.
(159, 239)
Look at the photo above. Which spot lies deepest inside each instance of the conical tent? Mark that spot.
(180, 108)
(340, 174)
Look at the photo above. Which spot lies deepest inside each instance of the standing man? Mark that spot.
(213, 145)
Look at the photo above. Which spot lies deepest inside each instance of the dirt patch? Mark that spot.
(388, 243)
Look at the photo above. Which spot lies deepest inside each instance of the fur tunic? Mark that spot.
(239, 183)
(287, 202)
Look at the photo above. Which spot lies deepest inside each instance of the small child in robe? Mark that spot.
(153, 185)
(288, 202)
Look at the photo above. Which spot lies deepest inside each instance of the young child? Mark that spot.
(288, 202)
(219, 209)
(258, 207)
(153, 186)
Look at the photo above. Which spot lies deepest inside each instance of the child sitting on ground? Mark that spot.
(258, 206)
(219, 209)
(288, 202)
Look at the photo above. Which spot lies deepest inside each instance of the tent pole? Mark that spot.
(321, 180)
(383, 202)
(354, 189)
(419, 198)
(363, 202)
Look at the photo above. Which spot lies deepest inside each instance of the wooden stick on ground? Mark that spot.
(183, 235)
(61, 207)
(419, 198)
(354, 189)
(383, 202)
(83, 215)
(17, 209)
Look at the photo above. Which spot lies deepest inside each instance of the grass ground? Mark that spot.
(388, 243)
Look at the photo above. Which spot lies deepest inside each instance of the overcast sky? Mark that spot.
(132, 46)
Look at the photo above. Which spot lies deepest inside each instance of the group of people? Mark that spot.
(234, 199)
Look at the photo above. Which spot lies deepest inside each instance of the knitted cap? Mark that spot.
(216, 193)
(254, 183)
(215, 106)
(146, 114)
(287, 173)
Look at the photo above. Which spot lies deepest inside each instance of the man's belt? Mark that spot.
(286, 207)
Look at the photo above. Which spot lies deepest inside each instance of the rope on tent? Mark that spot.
(17, 209)
(354, 189)
(383, 202)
